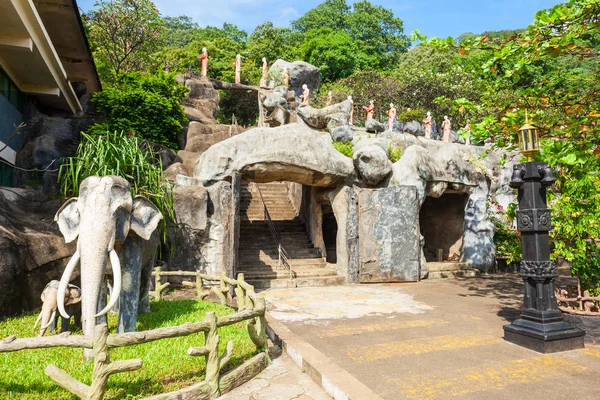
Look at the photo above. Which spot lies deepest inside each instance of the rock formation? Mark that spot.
(201, 108)
(300, 73)
(33, 250)
(328, 117)
(292, 152)
(372, 164)
(342, 134)
(374, 126)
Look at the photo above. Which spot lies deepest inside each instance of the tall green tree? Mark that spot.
(335, 53)
(273, 43)
(124, 34)
(373, 29)
(552, 70)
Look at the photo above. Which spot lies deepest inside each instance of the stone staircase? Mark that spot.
(258, 252)
(450, 270)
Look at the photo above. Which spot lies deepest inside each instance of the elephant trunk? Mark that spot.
(93, 268)
(116, 291)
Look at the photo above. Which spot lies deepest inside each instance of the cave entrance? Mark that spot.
(330, 228)
(442, 225)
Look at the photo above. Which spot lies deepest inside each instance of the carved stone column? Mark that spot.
(541, 326)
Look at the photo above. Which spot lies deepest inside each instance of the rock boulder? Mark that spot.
(33, 250)
(291, 152)
(328, 117)
(342, 134)
(372, 164)
(300, 73)
(374, 126)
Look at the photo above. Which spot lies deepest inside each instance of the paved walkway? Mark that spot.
(282, 380)
(433, 340)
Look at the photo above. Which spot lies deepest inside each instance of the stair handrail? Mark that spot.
(284, 257)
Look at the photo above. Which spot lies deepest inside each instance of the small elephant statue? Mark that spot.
(48, 315)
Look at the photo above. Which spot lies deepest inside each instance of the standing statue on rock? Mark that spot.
(204, 62)
(446, 128)
(265, 70)
(370, 110)
(286, 77)
(428, 125)
(467, 130)
(238, 69)
(391, 117)
(305, 94)
(351, 117)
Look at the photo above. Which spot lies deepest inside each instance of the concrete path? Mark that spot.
(282, 380)
(428, 340)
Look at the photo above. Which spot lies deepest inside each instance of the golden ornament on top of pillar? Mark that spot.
(529, 143)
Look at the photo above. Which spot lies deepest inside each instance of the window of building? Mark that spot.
(10, 91)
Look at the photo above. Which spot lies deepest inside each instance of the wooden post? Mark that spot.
(220, 292)
(240, 296)
(210, 350)
(201, 292)
(158, 285)
(257, 327)
(103, 368)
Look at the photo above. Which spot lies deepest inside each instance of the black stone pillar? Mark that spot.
(541, 326)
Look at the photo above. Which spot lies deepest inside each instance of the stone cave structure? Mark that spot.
(341, 219)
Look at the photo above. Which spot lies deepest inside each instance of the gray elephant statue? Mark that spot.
(48, 316)
(111, 226)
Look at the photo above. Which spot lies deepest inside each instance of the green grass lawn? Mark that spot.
(166, 364)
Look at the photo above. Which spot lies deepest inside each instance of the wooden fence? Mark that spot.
(250, 308)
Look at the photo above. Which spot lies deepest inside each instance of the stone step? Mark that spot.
(450, 270)
(271, 247)
(274, 264)
(298, 282)
(268, 244)
(273, 258)
(271, 207)
(252, 236)
(268, 273)
(270, 250)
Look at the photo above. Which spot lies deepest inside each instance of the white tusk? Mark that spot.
(37, 321)
(116, 270)
(52, 317)
(64, 283)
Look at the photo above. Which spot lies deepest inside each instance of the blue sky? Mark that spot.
(439, 18)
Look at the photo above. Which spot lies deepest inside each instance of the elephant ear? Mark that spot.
(68, 220)
(144, 217)
(74, 295)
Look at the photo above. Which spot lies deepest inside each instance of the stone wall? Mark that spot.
(206, 229)
(33, 251)
(312, 216)
(344, 202)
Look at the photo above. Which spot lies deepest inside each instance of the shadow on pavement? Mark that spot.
(507, 289)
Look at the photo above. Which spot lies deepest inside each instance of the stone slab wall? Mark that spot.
(389, 235)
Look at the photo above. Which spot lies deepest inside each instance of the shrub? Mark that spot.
(344, 148)
(412, 114)
(394, 152)
(506, 239)
(120, 155)
(148, 105)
